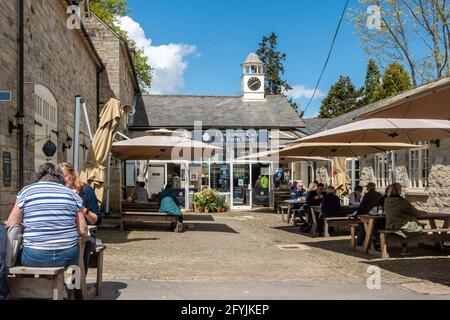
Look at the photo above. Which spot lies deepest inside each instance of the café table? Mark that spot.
(370, 221)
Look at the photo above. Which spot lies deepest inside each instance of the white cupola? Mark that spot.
(253, 79)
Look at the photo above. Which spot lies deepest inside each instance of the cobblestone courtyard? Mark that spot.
(248, 247)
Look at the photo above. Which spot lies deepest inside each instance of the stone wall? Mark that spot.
(8, 82)
(55, 57)
(434, 198)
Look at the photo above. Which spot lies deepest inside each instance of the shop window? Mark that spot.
(419, 166)
(198, 177)
(220, 177)
(383, 168)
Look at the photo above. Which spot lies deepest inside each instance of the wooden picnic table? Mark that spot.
(343, 220)
(370, 221)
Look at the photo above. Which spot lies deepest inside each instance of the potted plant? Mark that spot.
(199, 203)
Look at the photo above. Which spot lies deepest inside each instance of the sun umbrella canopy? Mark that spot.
(94, 172)
(163, 147)
(331, 149)
(430, 101)
(385, 130)
(341, 179)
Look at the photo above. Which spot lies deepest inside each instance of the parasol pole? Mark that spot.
(76, 140)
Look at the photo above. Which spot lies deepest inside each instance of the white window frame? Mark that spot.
(383, 169)
(418, 168)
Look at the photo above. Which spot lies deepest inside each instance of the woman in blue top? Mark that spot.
(91, 209)
(53, 218)
(168, 204)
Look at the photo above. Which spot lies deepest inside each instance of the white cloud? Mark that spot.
(168, 61)
(301, 91)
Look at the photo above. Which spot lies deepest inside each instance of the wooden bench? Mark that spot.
(389, 239)
(146, 213)
(49, 283)
(339, 222)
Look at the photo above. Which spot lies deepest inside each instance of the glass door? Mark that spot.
(241, 186)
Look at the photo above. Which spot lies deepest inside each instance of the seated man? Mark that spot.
(168, 204)
(331, 205)
(355, 197)
(372, 199)
(315, 197)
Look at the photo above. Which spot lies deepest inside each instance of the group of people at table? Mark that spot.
(401, 215)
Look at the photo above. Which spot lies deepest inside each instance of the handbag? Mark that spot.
(14, 239)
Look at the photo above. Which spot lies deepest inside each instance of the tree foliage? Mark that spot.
(273, 65)
(110, 11)
(372, 83)
(414, 32)
(395, 80)
(342, 98)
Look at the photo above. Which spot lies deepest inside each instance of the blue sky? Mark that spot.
(198, 45)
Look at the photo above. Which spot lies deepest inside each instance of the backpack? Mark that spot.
(14, 239)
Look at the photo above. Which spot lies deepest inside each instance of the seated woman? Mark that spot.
(53, 218)
(168, 204)
(91, 210)
(140, 194)
(401, 215)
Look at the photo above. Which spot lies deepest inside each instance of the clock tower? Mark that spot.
(253, 79)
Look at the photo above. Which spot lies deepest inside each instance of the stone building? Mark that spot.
(118, 81)
(59, 63)
(424, 173)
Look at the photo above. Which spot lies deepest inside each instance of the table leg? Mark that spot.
(369, 233)
(446, 224)
(289, 213)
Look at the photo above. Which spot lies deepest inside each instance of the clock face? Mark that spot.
(254, 84)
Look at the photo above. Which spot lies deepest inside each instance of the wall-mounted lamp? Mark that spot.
(67, 146)
(436, 142)
(20, 120)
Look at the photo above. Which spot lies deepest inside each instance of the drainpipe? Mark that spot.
(21, 95)
(98, 93)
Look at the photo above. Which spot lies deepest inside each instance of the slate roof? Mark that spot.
(181, 111)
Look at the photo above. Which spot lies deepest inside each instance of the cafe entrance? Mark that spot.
(241, 186)
(251, 186)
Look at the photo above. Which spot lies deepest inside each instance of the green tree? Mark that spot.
(110, 11)
(273, 65)
(341, 98)
(372, 83)
(395, 80)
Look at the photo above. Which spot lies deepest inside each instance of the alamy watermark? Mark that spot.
(374, 279)
(76, 14)
(374, 17)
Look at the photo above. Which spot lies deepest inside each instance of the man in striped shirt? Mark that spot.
(53, 218)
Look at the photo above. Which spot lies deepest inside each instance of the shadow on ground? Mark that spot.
(197, 217)
(111, 290)
(118, 237)
(429, 269)
(211, 227)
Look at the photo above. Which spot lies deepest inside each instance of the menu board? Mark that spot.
(238, 196)
(6, 164)
(261, 197)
